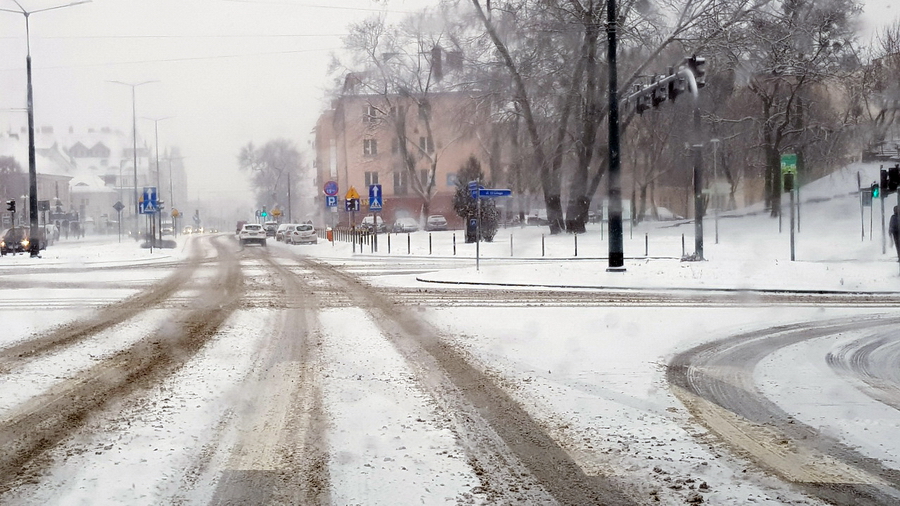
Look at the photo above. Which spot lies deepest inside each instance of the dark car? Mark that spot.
(436, 222)
(17, 240)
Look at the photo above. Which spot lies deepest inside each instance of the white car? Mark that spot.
(252, 233)
(301, 234)
(281, 230)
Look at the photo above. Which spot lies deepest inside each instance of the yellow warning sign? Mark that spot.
(352, 194)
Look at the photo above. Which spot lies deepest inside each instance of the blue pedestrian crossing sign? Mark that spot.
(376, 199)
(149, 203)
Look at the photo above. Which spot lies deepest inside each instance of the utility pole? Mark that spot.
(616, 248)
(137, 210)
(34, 232)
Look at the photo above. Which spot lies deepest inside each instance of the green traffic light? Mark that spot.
(876, 191)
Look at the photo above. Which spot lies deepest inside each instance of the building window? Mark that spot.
(371, 178)
(426, 144)
(370, 147)
(423, 176)
(369, 113)
(400, 182)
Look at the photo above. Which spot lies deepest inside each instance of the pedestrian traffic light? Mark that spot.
(11, 206)
(876, 191)
(697, 66)
(264, 213)
(893, 179)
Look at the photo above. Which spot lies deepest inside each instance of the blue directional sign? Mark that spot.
(351, 205)
(375, 197)
(331, 201)
(494, 192)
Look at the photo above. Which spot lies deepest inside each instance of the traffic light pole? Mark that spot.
(616, 240)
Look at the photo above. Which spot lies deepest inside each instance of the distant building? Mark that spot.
(358, 144)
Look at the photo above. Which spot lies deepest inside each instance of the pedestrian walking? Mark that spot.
(894, 230)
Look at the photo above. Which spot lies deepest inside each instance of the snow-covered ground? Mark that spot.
(593, 377)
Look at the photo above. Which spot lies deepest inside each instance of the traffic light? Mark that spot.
(641, 104)
(893, 178)
(876, 191)
(884, 180)
(264, 213)
(676, 87)
(697, 66)
(660, 94)
(11, 205)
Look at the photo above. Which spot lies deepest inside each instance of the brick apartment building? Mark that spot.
(358, 143)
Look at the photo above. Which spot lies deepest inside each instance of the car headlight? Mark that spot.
(24, 243)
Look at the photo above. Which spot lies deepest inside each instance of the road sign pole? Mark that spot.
(478, 232)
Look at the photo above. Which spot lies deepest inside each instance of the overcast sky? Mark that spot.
(228, 71)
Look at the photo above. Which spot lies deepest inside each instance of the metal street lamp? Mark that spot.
(137, 210)
(32, 168)
(158, 186)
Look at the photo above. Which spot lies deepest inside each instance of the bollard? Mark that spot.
(542, 245)
(408, 245)
(429, 243)
(454, 243)
(682, 245)
(576, 245)
(510, 245)
(646, 245)
(389, 243)
(353, 237)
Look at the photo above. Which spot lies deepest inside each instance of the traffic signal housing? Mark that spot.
(884, 180)
(697, 66)
(876, 191)
(893, 178)
(11, 206)
(264, 213)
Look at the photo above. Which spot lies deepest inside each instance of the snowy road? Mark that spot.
(263, 375)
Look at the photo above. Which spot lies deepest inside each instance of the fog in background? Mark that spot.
(229, 72)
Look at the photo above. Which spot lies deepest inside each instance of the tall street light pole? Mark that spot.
(32, 166)
(137, 210)
(158, 186)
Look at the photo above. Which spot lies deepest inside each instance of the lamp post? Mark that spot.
(32, 169)
(137, 210)
(158, 186)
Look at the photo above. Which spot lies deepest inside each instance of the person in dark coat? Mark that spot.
(894, 230)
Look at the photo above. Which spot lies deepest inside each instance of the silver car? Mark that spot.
(301, 234)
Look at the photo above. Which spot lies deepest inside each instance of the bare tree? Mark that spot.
(275, 170)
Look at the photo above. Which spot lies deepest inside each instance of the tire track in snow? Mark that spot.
(105, 318)
(47, 419)
(512, 453)
(715, 382)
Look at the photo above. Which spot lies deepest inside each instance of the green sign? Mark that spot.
(789, 163)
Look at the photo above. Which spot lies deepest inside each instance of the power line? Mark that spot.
(266, 35)
(174, 60)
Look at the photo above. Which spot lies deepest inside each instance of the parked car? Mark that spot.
(270, 227)
(405, 225)
(281, 230)
(368, 223)
(303, 233)
(436, 222)
(17, 240)
(252, 233)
